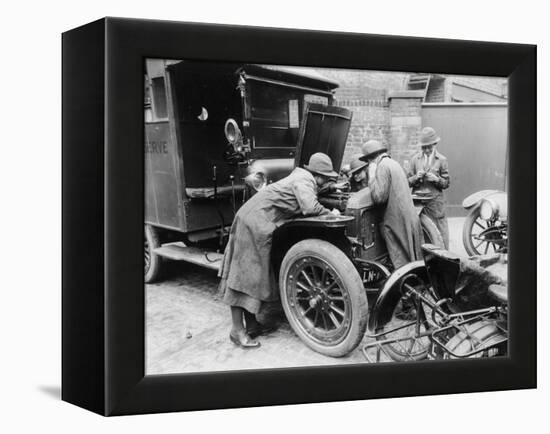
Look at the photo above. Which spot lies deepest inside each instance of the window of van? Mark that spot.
(275, 113)
(158, 88)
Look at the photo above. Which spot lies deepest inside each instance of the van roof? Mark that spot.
(294, 74)
(304, 76)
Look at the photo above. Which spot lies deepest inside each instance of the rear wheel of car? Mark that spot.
(483, 338)
(431, 232)
(152, 261)
(323, 297)
(406, 336)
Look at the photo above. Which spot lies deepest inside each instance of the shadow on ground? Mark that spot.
(51, 391)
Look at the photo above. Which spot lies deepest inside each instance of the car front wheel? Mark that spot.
(323, 297)
(481, 237)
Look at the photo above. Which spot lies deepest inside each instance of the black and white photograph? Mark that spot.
(312, 217)
(299, 216)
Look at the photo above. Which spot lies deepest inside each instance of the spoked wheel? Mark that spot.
(481, 237)
(323, 297)
(152, 261)
(406, 336)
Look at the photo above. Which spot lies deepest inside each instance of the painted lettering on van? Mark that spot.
(156, 147)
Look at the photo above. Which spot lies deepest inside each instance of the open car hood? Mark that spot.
(324, 129)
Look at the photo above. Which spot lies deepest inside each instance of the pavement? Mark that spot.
(187, 326)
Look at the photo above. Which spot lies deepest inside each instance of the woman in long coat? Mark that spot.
(246, 273)
(388, 184)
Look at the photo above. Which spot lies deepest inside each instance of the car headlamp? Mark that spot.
(232, 132)
(487, 209)
(256, 180)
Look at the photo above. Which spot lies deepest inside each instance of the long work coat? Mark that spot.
(400, 226)
(246, 265)
(435, 208)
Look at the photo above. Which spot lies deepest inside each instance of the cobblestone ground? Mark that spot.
(187, 326)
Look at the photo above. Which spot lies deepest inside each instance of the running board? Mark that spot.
(179, 252)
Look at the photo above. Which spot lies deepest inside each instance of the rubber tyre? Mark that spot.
(151, 268)
(341, 266)
(431, 232)
(467, 232)
(485, 332)
(422, 345)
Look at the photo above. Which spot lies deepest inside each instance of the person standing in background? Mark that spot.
(428, 175)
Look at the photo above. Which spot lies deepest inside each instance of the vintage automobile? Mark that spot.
(485, 229)
(224, 131)
(215, 133)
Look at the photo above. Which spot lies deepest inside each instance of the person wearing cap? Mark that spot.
(428, 175)
(357, 173)
(388, 185)
(247, 280)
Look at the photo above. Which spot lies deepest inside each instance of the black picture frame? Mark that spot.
(103, 297)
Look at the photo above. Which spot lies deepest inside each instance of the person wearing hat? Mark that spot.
(388, 185)
(247, 280)
(357, 173)
(428, 175)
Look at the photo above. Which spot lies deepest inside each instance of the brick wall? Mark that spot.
(357, 84)
(370, 121)
(405, 124)
(383, 110)
(365, 93)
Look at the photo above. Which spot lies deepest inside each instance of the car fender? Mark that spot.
(475, 198)
(325, 220)
(390, 294)
(329, 228)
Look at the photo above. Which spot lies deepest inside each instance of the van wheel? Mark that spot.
(152, 261)
(323, 297)
(431, 232)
